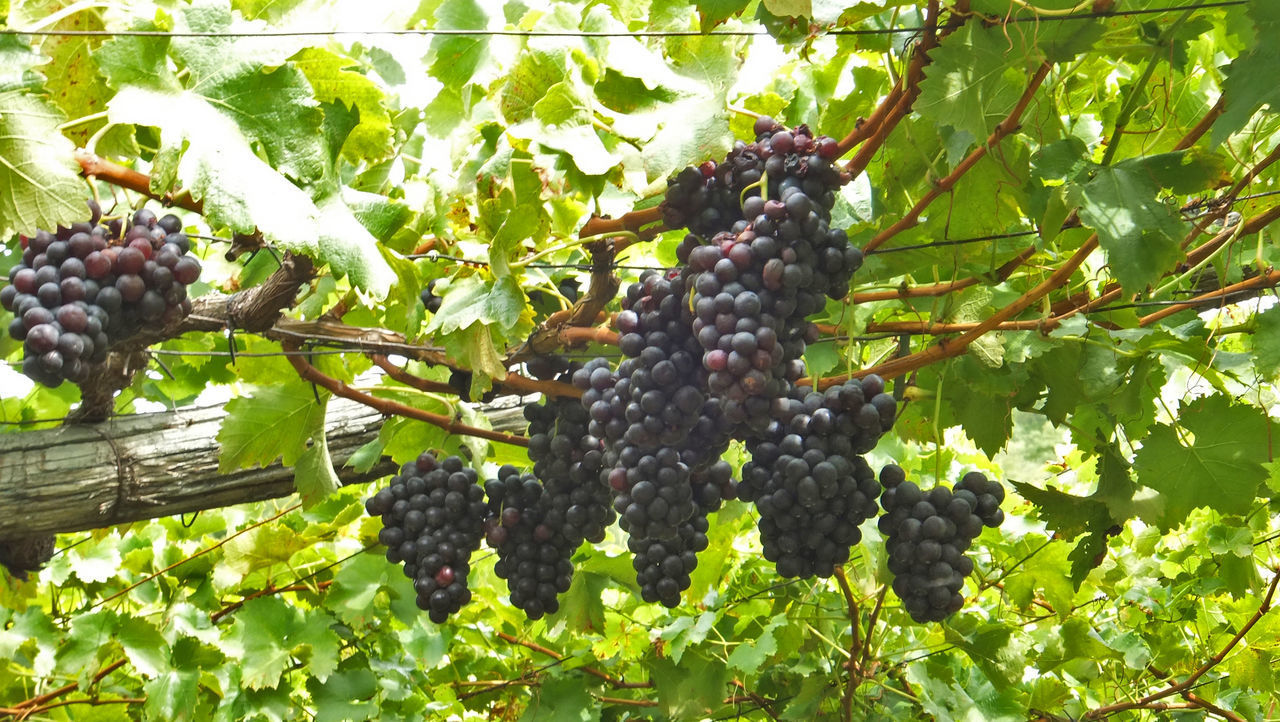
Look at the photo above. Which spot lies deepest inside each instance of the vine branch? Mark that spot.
(1185, 685)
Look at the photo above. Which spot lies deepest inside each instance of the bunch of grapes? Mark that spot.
(707, 200)
(927, 534)
(433, 517)
(567, 459)
(809, 483)
(533, 550)
(759, 269)
(663, 566)
(83, 288)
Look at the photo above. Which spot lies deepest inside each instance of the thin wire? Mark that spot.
(577, 33)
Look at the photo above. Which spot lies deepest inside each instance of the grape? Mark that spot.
(429, 298)
(433, 517)
(926, 535)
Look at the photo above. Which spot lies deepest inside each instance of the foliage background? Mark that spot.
(1135, 434)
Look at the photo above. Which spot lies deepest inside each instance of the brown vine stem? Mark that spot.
(941, 289)
(1211, 707)
(855, 643)
(1263, 280)
(514, 383)
(948, 348)
(612, 681)
(26, 707)
(865, 657)
(626, 223)
(26, 713)
(1003, 129)
(1203, 126)
(752, 697)
(1186, 684)
(571, 335)
(908, 89)
(232, 607)
(310, 373)
(409, 379)
(98, 167)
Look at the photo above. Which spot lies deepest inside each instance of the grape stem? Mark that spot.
(310, 373)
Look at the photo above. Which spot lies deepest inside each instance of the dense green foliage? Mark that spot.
(1134, 435)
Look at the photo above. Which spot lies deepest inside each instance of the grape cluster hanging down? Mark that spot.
(567, 460)
(83, 288)
(433, 517)
(927, 534)
(809, 484)
(763, 256)
(533, 550)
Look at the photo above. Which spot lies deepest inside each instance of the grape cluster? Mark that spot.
(762, 256)
(433, 517)
(429, 297)
(809, 483)
(533, 551)
(567, 460)
(927, 534)
(706, 199)
(81, 289)
(663, 566)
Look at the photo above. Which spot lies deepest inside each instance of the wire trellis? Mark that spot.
(486, 32)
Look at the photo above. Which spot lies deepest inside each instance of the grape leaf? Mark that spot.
(346, 695)
(241, 191)
(1222, 470)
(73, 82)
(561, 699)
(37, 168)
(714, 12)
(17, 63)
(260, 630)
(1266, 343)
(1250, 82)
(973, 81)
(143, 644)
(98, 563)
(314, 476)
(457, 57)
(137, 60)
(332, 82)
(272, 422)
(1139, 235)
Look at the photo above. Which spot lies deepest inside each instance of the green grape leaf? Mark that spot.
(1065, 514)
(239, 190)
(332, 82)
(1266, 343)
(714, 12)
(458, 57)
(752, 654)
(137, 60)
(561, 699)
(346, 695)
(143, 644)
(260, 632)
(269, 423)
(38, 172)
(73, 82)
(17, 65)
(1250, 82)
(98, 563)
(1221, 467)
(1139, 235)
(314, 476)
(974, 80)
